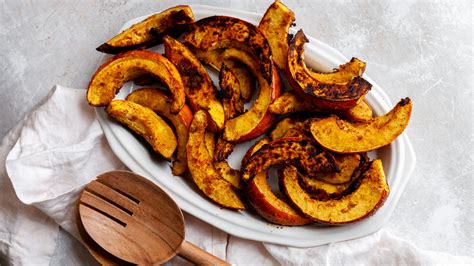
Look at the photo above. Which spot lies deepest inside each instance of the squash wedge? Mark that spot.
(269, 206)
(342, 136)
(297, 151)
(145, 123)
(341, 89)
(217, 32)
(257, 119)
(150, 32)
(198, 86)
(275, 24)
(368, 195)
(202, 169)
(160, 103)
(110, 77)
(214, 59)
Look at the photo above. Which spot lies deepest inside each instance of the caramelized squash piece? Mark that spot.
(110, 77)
(297, 151)
(257, 119)
(264, 201)
(255, 147)
(283, 126)
(289, 102)
(150, 32)
(160, 103)
(198, 86)
(217, 32)
(145, 123)
(215, 59)
(361, 112)
(348, 164)
(269, 206)
(275, 25)
(230, 175)
(342, 136)
(230, 92)
(341, 89)
(323, 191)
(369, 194)
(202, 169)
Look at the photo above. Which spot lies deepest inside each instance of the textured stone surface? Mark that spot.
(412, 48)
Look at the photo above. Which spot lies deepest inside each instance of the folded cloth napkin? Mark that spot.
(60, 147)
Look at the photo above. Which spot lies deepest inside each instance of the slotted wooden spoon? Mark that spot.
(134, 220)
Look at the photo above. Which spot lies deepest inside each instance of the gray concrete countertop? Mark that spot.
(415, 48)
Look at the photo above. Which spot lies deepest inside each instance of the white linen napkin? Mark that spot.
(60, 147)
(27, 236)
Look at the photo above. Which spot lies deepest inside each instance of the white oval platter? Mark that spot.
(398, 160)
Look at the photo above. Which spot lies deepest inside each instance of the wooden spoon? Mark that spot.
(135, 221)
(100, 255)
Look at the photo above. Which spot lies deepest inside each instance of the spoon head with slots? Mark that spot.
(131, 218)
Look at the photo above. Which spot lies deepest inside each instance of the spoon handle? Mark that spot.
(199, 256)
